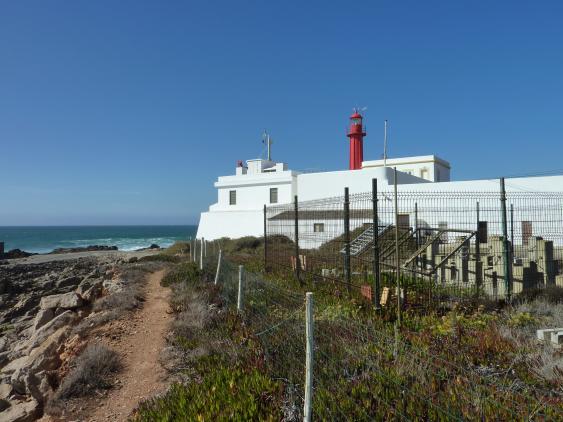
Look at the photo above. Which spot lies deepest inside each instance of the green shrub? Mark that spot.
(160, 257)
(187, 272)
(223, 394)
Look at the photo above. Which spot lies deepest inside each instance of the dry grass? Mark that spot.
(522, 321)
(90, 373)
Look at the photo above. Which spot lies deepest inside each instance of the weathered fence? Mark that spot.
(421, 247)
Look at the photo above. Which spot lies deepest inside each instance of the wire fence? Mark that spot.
(363, 370)
(421, 247)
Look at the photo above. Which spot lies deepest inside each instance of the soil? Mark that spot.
(139, 339)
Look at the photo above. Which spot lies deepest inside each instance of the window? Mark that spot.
(437, 175)
(232, 197)
(273, 195)
(319, 227)
(424, 173)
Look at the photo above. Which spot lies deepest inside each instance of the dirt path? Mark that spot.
(142, 375)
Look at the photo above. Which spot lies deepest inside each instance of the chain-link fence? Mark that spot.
(439, 245)
(363, 370)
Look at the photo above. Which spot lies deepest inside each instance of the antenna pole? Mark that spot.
(385, 145)
(269, 154)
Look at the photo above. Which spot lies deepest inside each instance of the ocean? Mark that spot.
(126, 238)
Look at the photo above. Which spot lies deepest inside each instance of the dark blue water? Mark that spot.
(126, 238)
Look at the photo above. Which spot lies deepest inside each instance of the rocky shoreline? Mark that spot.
(40, 303)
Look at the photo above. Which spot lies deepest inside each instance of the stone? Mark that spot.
(26, 411)
(5, 391)
(4, 404)
(15, 365)
(90, 289)
(65, 301)
(43, 317)
(69, 281)
(65, 319)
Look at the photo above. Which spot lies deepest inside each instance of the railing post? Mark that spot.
(376, 272)
(218, 266)
(297, 260)
(240, 296)
(397, 258)
(347, 269)
(310, 347)
(505, 243)
(265, 242)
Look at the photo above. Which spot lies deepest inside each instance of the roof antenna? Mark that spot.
(385, 146)
(266, 139)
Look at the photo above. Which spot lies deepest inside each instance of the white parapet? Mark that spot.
(557, 337)
(546, 334)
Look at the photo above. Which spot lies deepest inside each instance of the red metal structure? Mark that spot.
(356, 135)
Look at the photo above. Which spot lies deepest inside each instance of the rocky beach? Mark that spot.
(45, 301)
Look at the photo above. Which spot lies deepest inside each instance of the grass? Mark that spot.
(458, 362)
(91, 372)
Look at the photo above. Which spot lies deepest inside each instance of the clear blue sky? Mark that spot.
(116, 112)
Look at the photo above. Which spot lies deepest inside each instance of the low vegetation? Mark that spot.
(468, 361)
(91, 372)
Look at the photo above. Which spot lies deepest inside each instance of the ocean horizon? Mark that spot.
(44, 239)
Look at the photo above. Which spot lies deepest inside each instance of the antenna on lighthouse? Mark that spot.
(266, 139)
(385, 145)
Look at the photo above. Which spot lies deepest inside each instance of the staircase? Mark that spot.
(360, 243)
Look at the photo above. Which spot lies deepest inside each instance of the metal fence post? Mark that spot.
(478, 268)
(240, 295)
(265, 242)
(308, 403)
(201, 254)
(218, 266)
(512, 229)
(505, 243)
(347, 269)
(376, 272)
(397, 258)
(297, 260)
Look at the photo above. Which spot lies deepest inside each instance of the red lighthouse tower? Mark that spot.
(356, 135)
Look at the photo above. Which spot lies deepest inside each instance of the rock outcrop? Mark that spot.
(39, 305)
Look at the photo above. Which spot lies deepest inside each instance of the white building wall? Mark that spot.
(328, 184)
(428, 167)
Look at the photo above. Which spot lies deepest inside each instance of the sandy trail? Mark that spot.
(142, 375)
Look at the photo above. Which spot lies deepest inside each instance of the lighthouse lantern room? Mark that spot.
(356, 135)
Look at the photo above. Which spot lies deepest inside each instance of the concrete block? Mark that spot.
(545, 334)
(557, 337)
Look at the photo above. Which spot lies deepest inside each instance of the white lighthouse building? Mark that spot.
(241, 197)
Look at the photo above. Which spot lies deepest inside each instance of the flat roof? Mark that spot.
(406, 160)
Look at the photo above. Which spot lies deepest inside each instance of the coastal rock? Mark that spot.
(91, 248)
(5, 391)
(90, 289)
(69, 281)
(26, 411)
(16, 253)
(39, 336)
(43, 317)
(65, 301)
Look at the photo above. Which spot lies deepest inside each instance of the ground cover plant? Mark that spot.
(466, 361)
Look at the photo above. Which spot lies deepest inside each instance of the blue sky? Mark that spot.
(125, 112)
